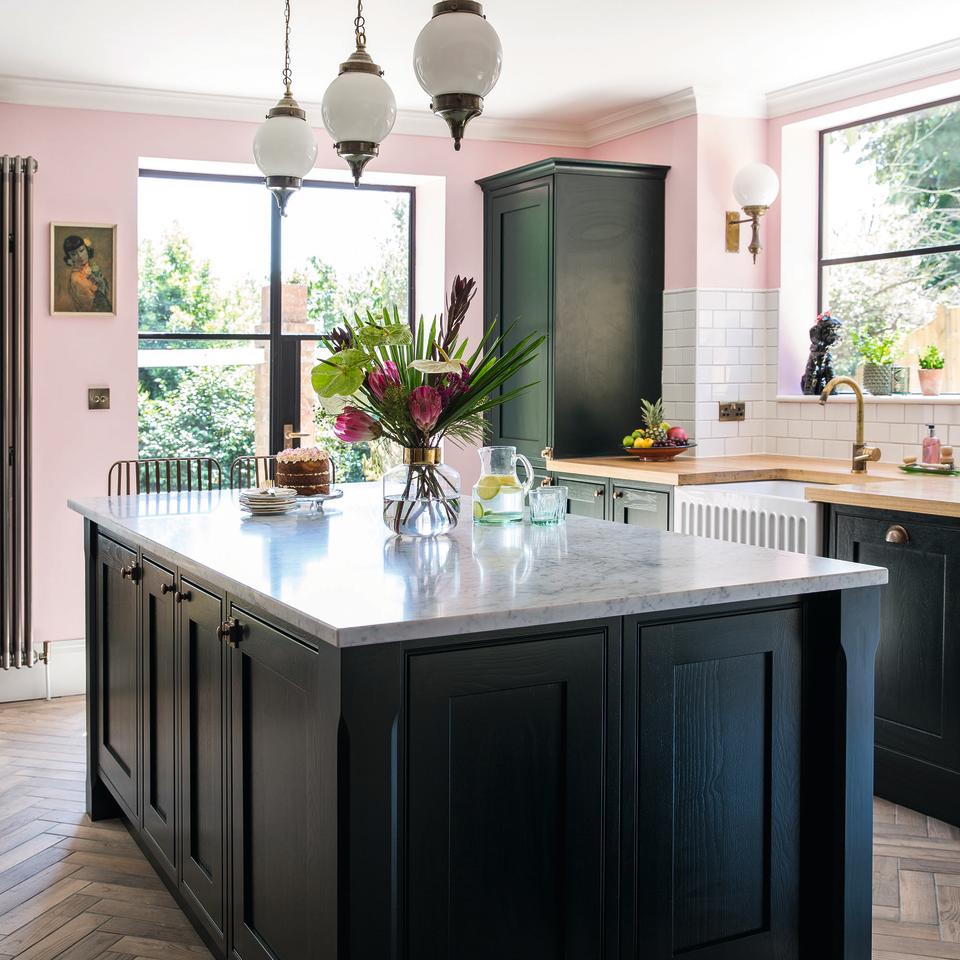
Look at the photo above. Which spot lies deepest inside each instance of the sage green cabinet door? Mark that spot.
(585, 498)
(519, 299)
(642, 508)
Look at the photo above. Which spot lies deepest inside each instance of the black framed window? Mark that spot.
(889, 235)
(233, 300)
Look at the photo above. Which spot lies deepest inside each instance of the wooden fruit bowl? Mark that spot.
(657, 453)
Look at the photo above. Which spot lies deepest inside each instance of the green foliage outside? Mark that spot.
(916, 157)
(209, 410)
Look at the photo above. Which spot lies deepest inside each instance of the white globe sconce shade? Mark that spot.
(285, 150)
(359, 111)
(756, 186)
(457, 59)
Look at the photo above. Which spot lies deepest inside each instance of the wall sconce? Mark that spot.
(756, 186)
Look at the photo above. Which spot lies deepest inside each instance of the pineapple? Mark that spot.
(654, 427)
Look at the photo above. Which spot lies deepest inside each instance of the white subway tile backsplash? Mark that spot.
(902, 432)
(737, 338)
(712, 299)
(739, 300)
(726, 318)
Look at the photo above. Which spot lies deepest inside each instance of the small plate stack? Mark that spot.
(269, 502)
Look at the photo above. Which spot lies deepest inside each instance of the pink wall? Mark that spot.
(88, 163)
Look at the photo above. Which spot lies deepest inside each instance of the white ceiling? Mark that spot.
(565, 61)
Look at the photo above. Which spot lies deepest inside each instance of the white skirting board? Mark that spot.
(65, 676)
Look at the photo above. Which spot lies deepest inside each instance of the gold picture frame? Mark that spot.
(83, 269)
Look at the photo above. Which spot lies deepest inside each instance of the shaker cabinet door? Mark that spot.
(160, 775)
(641, 508)
(519, 298)
(118, 671)
(585, 498)
(277, 824)
(203, 755)
(918, 662)
(507, 799)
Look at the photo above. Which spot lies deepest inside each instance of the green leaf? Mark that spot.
(391, 334)
(332, 380)
(348, 359)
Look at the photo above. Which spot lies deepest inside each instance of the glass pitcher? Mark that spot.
(498, 495)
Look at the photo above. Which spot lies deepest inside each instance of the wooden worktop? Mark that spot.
(686, 470)
(932, 496)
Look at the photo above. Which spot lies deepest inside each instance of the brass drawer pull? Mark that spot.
(546, 482)
(897, 534)
(166, 588)
(598, 493)
(130, 573)
(182, 595)
(617, 494)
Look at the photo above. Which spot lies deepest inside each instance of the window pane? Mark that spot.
(892, 184)
(204, 398)
(204, 256)
(344, 251)
(916, 300)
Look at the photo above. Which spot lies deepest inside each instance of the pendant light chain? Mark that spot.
(360, 25)
(287, 74)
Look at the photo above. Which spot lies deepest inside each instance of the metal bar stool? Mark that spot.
(164, 475)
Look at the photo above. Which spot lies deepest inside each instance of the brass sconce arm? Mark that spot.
(733, 221)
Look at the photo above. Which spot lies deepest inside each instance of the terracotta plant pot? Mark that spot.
(930, 382)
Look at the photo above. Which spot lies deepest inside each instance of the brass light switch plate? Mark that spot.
(733, 231)
(98, 398)
(730, 412)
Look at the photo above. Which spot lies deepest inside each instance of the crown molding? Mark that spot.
(691, 101)
(870, 78)
(95, 96)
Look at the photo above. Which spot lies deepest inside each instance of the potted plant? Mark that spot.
(931, 371)
(877, 352)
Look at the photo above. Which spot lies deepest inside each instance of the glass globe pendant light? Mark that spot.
(359, 109)
(285, 147)
(457, 59)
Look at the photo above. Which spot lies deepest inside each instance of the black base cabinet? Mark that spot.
(918, 663)
(636, 788)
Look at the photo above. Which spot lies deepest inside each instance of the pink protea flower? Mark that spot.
(425, 405)
(355, 426)
(382, 377)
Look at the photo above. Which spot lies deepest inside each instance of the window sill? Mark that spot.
(869, 398)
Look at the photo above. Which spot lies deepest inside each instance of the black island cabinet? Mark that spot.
(689, 782)
(918, 662)
(574, 249)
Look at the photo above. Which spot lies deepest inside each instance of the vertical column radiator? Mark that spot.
(16, 215)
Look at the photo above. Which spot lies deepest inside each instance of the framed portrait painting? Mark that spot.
(83, 269)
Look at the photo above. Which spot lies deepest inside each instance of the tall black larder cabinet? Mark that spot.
(574, 249)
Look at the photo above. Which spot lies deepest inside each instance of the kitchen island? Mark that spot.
(585, 741)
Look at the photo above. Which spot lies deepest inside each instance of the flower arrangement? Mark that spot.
(931, 359)
(417, 385)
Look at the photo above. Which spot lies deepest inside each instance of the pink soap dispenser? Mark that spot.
(931, 446)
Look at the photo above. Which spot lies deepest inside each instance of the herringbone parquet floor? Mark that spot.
(71, 889)
(74, 890)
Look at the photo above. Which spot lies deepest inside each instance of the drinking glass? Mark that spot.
(548, 505)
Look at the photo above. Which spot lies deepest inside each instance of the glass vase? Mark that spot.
(421, 497)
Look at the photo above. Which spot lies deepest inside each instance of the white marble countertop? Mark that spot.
(342, 577)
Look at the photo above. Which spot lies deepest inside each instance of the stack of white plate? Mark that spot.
(269, 502)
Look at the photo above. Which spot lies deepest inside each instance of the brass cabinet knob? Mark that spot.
(166, 588)
(130, 573)
(897, 534)
(182, 595)
(598, 493)
(547, 453)
(617, 494)
(546, 482)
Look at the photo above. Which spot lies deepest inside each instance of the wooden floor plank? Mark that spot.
(37, 905)
(918, 897)
(948, 899)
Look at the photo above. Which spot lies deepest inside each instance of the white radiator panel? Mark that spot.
(756, 519)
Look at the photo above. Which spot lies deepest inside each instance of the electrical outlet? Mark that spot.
(730, 412)
(98, 398)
